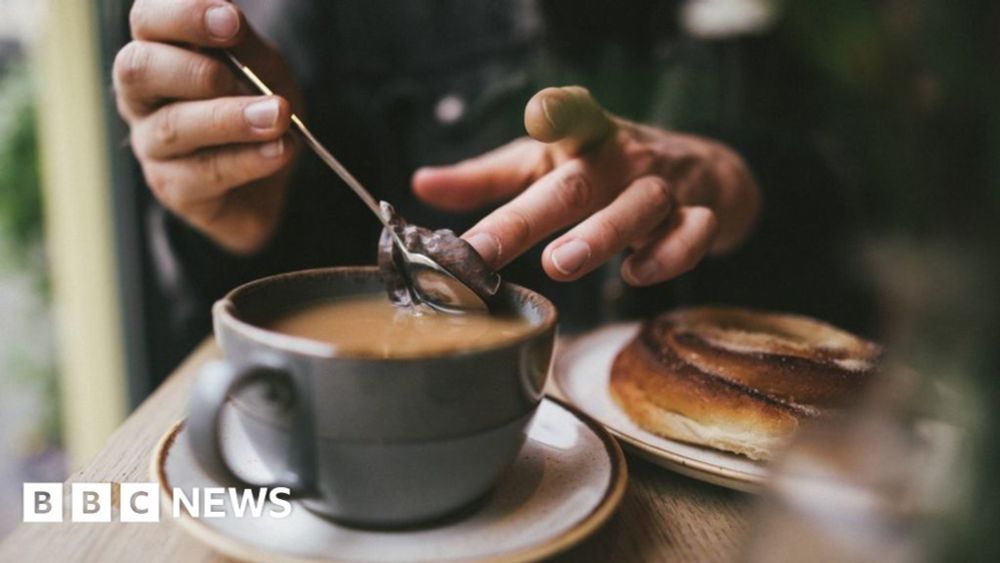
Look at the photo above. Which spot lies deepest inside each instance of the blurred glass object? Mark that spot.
(890, 480)
(720, 19)
(910, 473)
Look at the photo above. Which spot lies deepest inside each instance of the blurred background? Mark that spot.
(30, 431)
(898, 98)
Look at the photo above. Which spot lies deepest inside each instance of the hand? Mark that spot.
(211, 154)
(671, 197)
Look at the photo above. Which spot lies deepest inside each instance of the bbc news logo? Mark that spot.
(140, 502)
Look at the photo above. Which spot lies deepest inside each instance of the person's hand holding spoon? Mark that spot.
(212, 154)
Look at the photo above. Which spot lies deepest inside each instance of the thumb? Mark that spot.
(568, 116)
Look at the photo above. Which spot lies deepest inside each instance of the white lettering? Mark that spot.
(91, 502)
(140, 502)
(191, 504)
(215, 497)
(42, 502)
(243, 498)
(275, 496)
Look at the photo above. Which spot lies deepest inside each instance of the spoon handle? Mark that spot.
(418, 266)
(314, 144)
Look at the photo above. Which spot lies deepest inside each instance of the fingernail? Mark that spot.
(570, 256)
(263, 114)
(487, 245)
(222, 22)
(273, 149)
(643, 272)
(550, 109)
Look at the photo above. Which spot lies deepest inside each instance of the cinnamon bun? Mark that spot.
(736, 379)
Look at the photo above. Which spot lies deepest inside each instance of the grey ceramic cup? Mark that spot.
(366, 440)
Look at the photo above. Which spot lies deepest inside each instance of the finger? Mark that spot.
(181, 128)
(692, 232)
(488, 178)
(561, 197)
(656, 233)
(207, 23)
(204, 23)
(183, 183)
(568, 116)
(145, 74)
(638, 210)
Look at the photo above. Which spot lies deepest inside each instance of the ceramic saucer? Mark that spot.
(567, 480)
(581, 375)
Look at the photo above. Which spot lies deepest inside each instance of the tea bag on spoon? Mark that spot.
(443, 246)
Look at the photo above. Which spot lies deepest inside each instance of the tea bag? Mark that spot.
(443, 246)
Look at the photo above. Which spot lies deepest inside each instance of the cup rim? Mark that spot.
(224, 312)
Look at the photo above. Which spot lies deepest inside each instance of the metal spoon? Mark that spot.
(431, 282)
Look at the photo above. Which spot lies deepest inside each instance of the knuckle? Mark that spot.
(707, 218)
(165, 126)
(575, 191)
(131, 64)
(220, 116)
(640, 155)
(660, 163)
(610, 233)
(695, 243)
(516, 226)
(656, 193)
(686, 168)
(208, 74)
(213, 168)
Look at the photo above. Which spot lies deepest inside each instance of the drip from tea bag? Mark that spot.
(443, 246)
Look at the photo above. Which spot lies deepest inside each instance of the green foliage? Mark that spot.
(26, 369)
(20, 186)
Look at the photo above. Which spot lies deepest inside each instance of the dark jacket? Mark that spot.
(376, 73)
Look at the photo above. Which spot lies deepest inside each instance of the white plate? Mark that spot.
(582, 373)
(567, 480)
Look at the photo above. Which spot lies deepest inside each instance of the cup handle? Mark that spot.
(215, 382)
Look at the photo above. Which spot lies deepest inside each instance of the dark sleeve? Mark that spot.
(183, 271)
(804, 253)
(801, 257)
(189, 273)
(322, 224)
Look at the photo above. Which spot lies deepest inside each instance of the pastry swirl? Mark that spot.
(736, 379)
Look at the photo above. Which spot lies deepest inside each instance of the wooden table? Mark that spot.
(663, 517)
